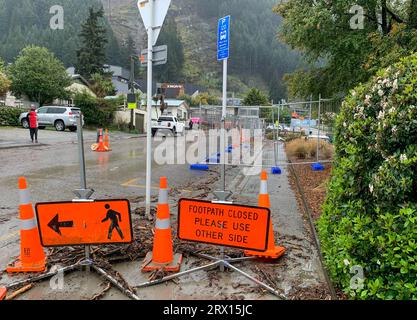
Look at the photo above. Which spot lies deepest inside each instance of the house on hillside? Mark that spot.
(173, 91)
(120, 79)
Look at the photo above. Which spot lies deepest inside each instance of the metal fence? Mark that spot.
(312, 120)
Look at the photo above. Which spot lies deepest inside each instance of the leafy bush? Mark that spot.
(369, 218)
(10, 116)
(97, 112)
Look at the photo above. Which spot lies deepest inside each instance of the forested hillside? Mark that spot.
(24, 22)
(257, 58)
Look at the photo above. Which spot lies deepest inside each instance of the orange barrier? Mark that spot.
(162, 256)
(32, 256)
(107, 140)
(3, 292)
(273, 252)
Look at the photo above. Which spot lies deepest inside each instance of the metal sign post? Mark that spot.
(149, 114)
(153, 13)
(83, 193)
(318, 133)
(223, 45)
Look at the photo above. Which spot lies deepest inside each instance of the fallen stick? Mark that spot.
(99, 295)
(19, 292)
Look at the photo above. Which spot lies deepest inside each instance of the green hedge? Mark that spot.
(97, 112)
(10, 116)
(369, 217)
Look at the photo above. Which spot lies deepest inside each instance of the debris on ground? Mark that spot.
(19, 292)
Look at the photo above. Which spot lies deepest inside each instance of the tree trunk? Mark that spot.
(384, 20)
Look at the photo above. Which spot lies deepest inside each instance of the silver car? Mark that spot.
(54, 116)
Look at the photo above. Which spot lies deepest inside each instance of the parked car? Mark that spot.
(168, 123)
(54, 116)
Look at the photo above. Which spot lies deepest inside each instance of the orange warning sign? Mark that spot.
(228, 225)
(84, 223)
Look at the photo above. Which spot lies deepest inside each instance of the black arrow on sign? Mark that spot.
(55, 225)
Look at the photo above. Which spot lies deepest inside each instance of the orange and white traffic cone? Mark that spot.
(3, 292)
(101, 147)
(107, 140)
(162, 257)
(273, 252)
(32, 256)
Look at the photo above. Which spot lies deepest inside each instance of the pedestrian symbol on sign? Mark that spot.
(115, 217)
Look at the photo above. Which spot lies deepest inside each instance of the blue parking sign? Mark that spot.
(223, 37)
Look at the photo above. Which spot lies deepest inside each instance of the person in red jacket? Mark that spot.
(33, 123)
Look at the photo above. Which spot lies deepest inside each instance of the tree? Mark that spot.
(4, 81)
(342, 51)
(25, 22)
(38, 74)
(91, 57)
(255, 98)
(102, 86)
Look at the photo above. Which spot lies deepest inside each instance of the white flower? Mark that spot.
(392, 110)
(371, 188)
(403, 157)
(368, 100)
(344, 124)
(395, 84)
(381, 115)
(394, 129)
(380, 92)
(346, 262)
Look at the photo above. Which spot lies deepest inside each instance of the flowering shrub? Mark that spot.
(369, 217)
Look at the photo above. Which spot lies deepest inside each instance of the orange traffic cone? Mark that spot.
(101, 147)
(32, 257)
(273, 252)
(3, 292)
(162, 256)
(107, 140)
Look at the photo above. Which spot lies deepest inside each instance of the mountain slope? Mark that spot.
(25, 22)
(257, 57)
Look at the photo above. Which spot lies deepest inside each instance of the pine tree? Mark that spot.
(91, 57)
